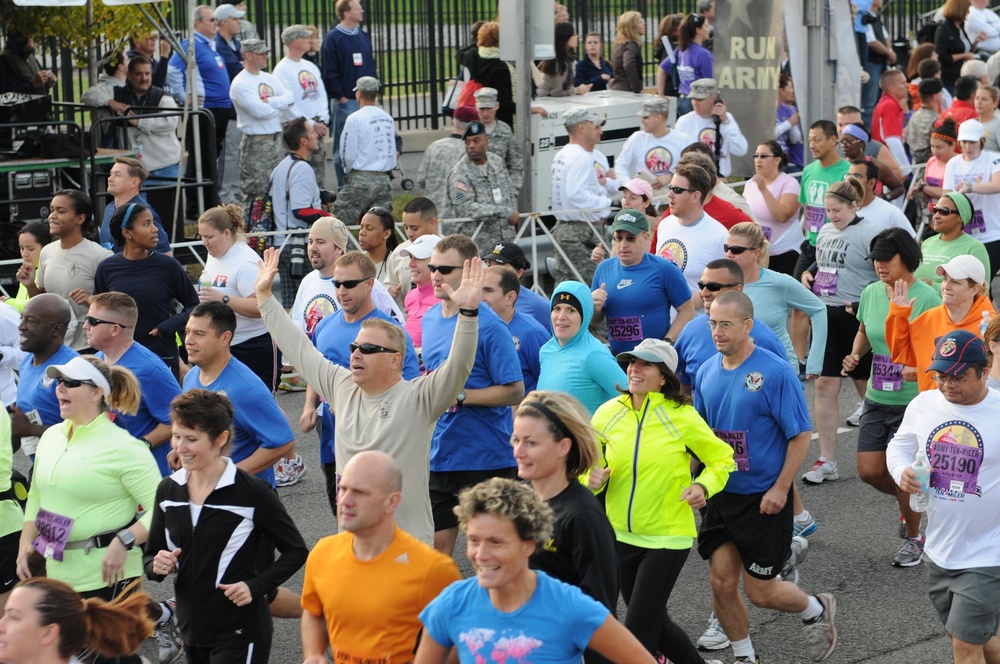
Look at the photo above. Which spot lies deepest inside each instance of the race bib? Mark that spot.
(887, 376)
(53, 534)
(626, 328)
(977, 225)
(738, 441)
(815, 218)
(357, 59)
(30, 443)
(955, 467)
(825, 282)
(767, 232)
(497, 195)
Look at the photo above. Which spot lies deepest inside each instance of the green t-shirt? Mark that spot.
(885, 385)
(815, 180)
(938, 252)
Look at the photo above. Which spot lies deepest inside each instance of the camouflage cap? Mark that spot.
(580, 115)
(486, 97)
(368, 84)
(294, 32)
(254, 46)
(704, 88)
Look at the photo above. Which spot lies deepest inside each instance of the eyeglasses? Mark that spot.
(370, 349)
(679, 190)
(94, 322)
(943, 379)
(764, 156)
(735, 250)
(714, 287)
(349, 283)
(724, 325)
(443, 269)
(70, 383)
(943, 211)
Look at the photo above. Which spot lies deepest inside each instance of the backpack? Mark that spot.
(259, 218)
(468, 96)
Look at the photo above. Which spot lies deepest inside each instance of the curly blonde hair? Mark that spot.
(507, 499)
(627, 29)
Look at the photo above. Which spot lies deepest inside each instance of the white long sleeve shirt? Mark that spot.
(576, 184)
(304, 81)
(260, 100)
(984, 20)
(369, 141)
(734, 143)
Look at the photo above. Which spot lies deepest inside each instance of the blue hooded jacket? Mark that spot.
(583, 367)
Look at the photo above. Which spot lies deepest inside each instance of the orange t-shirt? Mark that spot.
(372, 607)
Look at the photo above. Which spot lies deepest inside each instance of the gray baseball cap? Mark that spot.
(254, 46)
(368, 84)
(580, 115)
(293, 32)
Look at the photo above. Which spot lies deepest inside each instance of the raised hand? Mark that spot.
(899, 294)
(267, 271)
(470, 291)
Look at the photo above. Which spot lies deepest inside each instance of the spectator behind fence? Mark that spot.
(302, 77)
(626, 58)
(556, 76)
(155, 49)
(20, 70)
(487, 70)
(227, 45)
(788, 124)
(593, 68)
(692, 61)
(952, 42)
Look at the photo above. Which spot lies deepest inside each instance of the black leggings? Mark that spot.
(648, 577)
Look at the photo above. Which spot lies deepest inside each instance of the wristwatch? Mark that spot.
(225, 299)
(126, 538)
(460, 399)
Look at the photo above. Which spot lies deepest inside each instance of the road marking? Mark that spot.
(840, 430)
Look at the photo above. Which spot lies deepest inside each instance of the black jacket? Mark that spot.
(223, 548)
(948, 43)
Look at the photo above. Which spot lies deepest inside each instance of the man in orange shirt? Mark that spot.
(398, 573)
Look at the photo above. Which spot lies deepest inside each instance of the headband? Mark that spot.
(128, 215)
(963, 204)
(840, 195)
(552, 417)
(943, 137)
(857, 132)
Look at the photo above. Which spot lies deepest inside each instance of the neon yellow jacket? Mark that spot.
(649, 454)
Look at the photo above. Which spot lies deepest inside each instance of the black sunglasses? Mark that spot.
(349, 283)
(369, 349)
(380, 212)
(679, 190)
(70, 383)
(764, 156)
(735, 250)
(94, 322)
(944, 212)
(443, 269)
(714, 287)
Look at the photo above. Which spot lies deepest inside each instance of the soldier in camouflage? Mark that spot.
(502, 141)
(442, 155)
(479, 187)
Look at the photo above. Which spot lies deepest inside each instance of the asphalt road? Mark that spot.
(883, 613)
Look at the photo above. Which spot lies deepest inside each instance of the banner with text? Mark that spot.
(748, 44)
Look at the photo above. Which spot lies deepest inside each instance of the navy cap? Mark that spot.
(475, 128)
(956, 351)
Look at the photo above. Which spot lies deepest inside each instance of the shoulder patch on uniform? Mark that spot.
(461, 185)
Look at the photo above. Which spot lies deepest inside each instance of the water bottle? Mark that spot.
(204, 282)
(983, 324)
(920, 501)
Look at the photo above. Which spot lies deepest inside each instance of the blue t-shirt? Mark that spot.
(36, 392)
(758, 406)
(333, 336)
(537, 306)
(159, 387)
(639, 299)
(258, 421)
(108, 242)
(528, 337)
(473, 437)
(463, 616)
(695, 346)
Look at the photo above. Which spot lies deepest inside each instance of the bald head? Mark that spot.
(377, 468)
(44, 322)
(50, 308)
(742, 303)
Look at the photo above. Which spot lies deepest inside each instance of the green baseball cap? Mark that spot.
(631, 221)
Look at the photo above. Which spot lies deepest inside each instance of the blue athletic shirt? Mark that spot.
(159, 387)
(333, 337)
(528, 337)
(463, 616)
(474, 437)
(258, 422)
(639, 299)
(36, 391)
(695, 346)
(536, 306)
(759, 405)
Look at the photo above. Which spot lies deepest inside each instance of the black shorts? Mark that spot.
(841, 328)
(8, 561)
(807, 256)
(878, 425)
(763, 540)
(446, 485)
(784, 263)
(250, 653)
(260, 354)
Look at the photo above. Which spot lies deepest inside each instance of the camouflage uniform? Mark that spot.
(576, 238)
(503, 144)
(483, 195)
(258, 156)
(362, 190)
(439, 158)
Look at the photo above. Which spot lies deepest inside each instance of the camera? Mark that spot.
(327, 197)
(868, 18)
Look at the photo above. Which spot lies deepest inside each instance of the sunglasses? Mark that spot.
(70, 383)
(679, 190)
(714, 287)
(735, 250)
(380, 212)
(943, 211)
(764, 156)
(443, 269)
(370, 349)
(94, 322)
(350, 283)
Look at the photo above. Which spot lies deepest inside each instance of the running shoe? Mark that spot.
(804, 529)
(854, 419)
(289, 471)
(292, 384)
(796, 554)
(747, 660)
(168, 637)
(821, 633)
(713, 638)
(822, 471)
(909, 553)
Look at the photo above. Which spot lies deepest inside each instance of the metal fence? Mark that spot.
(415, 40)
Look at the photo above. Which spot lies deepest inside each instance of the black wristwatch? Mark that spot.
(126, 538)
(225, 299)
(460, 399)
